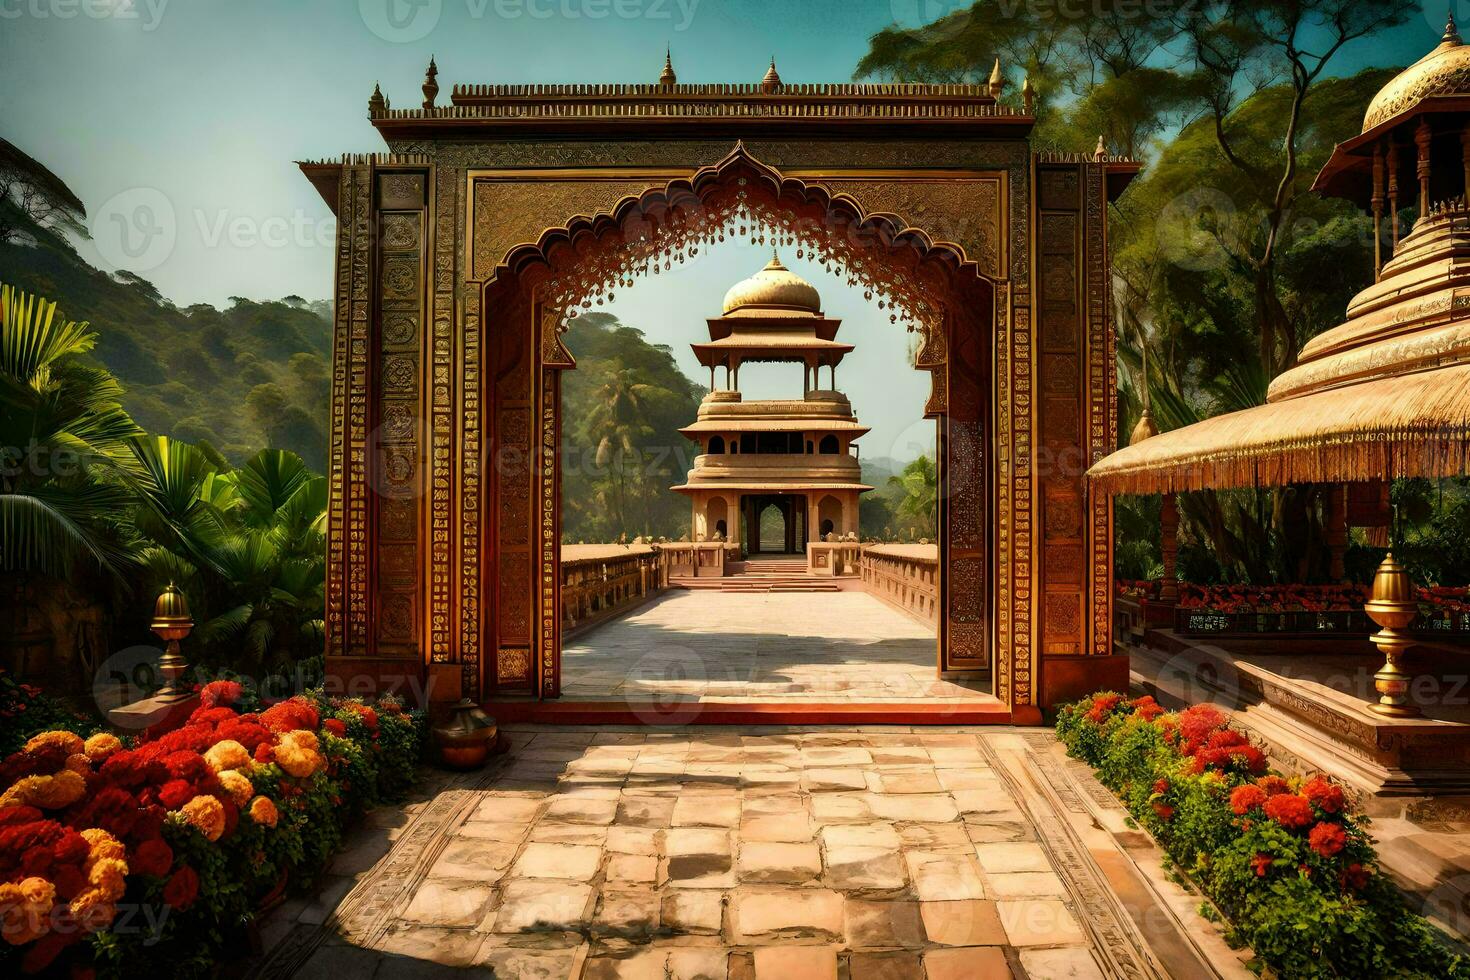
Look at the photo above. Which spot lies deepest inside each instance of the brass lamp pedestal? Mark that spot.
(172, 622)
(1393, 608)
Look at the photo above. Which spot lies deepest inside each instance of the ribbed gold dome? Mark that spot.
(1443, 71)
(774, 288)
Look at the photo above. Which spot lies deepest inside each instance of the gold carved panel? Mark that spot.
(961, 209)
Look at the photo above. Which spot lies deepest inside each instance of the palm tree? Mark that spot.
(617, 424)
(63, 445)
(919, 482)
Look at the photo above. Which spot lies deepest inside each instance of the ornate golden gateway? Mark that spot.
(462, 249)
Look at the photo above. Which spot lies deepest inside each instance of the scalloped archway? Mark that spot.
(932, 285)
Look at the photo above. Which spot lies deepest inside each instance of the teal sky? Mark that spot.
(199, 108)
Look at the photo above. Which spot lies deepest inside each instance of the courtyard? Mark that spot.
(758, 853)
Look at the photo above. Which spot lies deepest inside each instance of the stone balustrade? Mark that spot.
(904, 575)
(600, 580)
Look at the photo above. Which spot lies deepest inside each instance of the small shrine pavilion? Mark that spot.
(795, 455)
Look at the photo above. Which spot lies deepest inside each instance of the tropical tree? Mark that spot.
(919, 483)
(63, 445)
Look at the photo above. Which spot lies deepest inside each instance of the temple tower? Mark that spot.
(794, 455)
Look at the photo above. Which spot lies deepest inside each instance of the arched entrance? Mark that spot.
(442, 522)
(934, 287)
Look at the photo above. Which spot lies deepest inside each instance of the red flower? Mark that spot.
(175, 793)
(335, 727)
(1273, 785)
(1161, 786)
(152, 857)
(1354, 876)
(1324, 794)
(290, 715)
(1102, 704)
(1244, 799)
(220, 693)
(182, 888)
(1262, 864)
(1289, 810)
(1163, 811)
(1327, 839)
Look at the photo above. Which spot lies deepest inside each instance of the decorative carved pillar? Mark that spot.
(1422, 138)
(1378, 205)
(1169, 548)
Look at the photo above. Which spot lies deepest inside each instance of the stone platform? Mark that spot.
(769, 854)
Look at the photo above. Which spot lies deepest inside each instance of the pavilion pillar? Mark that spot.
(1378, 206)
(1393, 199)
(1169, 548)
(1465, 165)
(1422, 138)
(1337, 532)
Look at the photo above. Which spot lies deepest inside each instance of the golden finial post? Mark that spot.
(431, 84)
(772, 80)
(172, 623)
(667, 78)
(997, 81)
(1393, 608)
(376, 102)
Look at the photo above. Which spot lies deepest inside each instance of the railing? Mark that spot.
(1197, 621)
(698, 559)
(598, 580)
(906, 576)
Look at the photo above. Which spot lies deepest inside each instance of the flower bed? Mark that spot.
(1291, 869)
(129, 859)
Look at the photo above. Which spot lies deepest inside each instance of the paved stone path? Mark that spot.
(753, 855)
(712, 646)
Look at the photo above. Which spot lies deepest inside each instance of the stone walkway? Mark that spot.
(712, 646)
(753, 855)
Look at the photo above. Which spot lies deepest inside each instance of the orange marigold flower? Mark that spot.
(227, 754)
(1273, 785)
(1324, 793)
(239, 788)
(46, 792)
(1327, 839)
(102, 746)
(206, 815)
(1244, 799)
(263, 811)
(69, 743)
(1289, 810)
(25, 910)
(102, 846)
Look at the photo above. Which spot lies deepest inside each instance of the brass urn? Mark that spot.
(1393, 608)
(465, 740)
(172, 622)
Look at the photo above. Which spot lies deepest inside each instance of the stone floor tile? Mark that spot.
(631, 913)
(529, 905)
(507, 809)
(861, 868)
(632, 840)
(790, 962)
(763, 911)
(628, 868)
(883, 924)
(1025, 885)
(692, 910)
(861, 835)
(824, 756)
(778, 862)
(707, 811)
(641, 964)
(552, 832)
(509, 833)
(698, 964)
(699, 858)
(447, 947)
(644, 810)
(514, 963)
(893, 965)
(448, 902)
(773, 804)
(788, 827)
(582, 809)
(826, 780)
(1039, 922)
(902, 781)
(913, 807)
(986, 801)
(973, 963)
(572, 861)
(478, 860)
(1008, 858)
(936, 837)
(1067, 963)
(841, 808)
(962, 923)
(944, 877)
(952, 778)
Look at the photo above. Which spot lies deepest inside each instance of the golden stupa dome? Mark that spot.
(1443, 71)
(773, 290)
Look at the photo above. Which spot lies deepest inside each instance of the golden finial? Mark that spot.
(1145, 429)
(1101, 153)
(667, 78)
(431, 84)
(772, 81)
(1451, 32)
(1028, 95)
(997, 81)
(376, 103)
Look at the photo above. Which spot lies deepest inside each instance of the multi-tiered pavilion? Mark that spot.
(792, 455)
